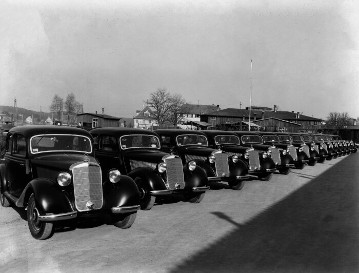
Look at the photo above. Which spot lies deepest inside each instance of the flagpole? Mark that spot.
(250, 99)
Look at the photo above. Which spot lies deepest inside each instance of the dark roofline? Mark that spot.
(100, 116)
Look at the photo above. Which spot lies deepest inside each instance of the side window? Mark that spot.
(108, 143)
(94, 122)
(8, 143)
(166, 141)
(19, 145)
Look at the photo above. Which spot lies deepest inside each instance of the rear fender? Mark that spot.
(122, 193)
(150, 180)
(195, 178)
(48, 196)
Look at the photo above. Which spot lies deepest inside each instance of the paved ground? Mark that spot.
(306, 221)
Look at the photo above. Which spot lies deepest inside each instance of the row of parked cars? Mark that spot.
(60, 173)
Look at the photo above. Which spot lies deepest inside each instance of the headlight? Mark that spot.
(284, 152)
(235, 159)
(162, 167)
(211, 159)
(64, 179)
(246, 155)
(301, 149)
(112, 176)
(312, 149)
(264, 155)
(192, 165)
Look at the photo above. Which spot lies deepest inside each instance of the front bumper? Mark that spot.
(58, 217)
(125, 209)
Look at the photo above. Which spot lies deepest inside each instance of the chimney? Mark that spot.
(103, 110)
(298, 115)
(262, 116)
(218, 107)
(275, 108)
(96, 112)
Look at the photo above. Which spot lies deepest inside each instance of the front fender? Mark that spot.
(206, 167)
(195, 178)
(237, 169)
(48, 196)
(122, 193)
(302, 156)
(286, 159)
(314, 154)
(149, 179)
(267, 163)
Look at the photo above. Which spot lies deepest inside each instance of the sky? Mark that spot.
(114, 54)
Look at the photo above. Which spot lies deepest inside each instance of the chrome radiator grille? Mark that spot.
(325, 147)
(193, 157)
(87, 180)
(293, 152)
(175, 176)
(221, 163)
(306, 150)
(275, 155)
(316, 148)
(137, 164)
(254, 162)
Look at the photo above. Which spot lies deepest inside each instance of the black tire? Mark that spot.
(197, 198)
(3, 200)
(312, 162)
(124, 220)
(237, 185)
(146, 200)
(39, 230)
(266, 177)
(284, 171)
(299, 165)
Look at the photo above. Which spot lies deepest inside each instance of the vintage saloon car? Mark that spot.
(51, 171)
(259, 165)
(325, 147)
(192, 146)
(301, 158)
(346, 147)
(136, 152)
(253, 139)
(304, 141)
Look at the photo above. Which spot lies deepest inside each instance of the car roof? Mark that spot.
(175, 132)
(218, 132)
(120, 131)
(31, 130)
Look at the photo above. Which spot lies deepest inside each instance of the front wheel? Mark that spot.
(236, 185)
(197, 198)
(39, 230)
(299, 165)
(284, 171)
(124, 220)
(146, 200)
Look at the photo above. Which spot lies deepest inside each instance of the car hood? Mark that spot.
(198, 150)
(148, 155)
(61, 161)
(234, 148)
(259, 146)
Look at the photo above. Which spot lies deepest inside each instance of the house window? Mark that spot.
(94, 122)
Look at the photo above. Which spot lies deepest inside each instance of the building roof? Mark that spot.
(141, 114)
(99, 116)
(198, 109)
(244, 113)
(286, 121)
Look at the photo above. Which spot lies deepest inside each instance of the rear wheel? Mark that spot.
(197, 198)
(39, 230)
(236, 185)
(124, 220)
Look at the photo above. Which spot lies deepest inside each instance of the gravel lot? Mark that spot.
(306, 221)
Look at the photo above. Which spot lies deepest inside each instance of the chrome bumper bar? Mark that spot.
(58, 217)
(127, 209)
(161, 192)
(200, 189)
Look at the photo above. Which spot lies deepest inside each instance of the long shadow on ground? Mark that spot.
(315, 229)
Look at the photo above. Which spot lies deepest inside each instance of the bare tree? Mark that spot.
(338, 120)
(57, 106)
(166, 106)
(72, 108)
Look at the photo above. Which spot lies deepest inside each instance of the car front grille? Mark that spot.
(137, 164)
(293, 152)
(221, 163)
(316, 148)
(306, 150)
(87, 180)
(325, 147)
(254, 162)
(175, 175)
(275, 155)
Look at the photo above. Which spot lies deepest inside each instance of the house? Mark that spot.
(191, 115)
(144, 119)
(89, 120)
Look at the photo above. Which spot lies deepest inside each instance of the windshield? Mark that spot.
(270, 138)
(307, 138)
(139, 141)
(284, 138)
(56, 143)
(191, 140)
(251, 139)
(222, 139)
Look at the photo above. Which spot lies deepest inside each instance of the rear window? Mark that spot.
(251, 139)
(191, 139)
(226, 139)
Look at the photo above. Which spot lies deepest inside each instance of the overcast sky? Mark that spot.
(113, 54)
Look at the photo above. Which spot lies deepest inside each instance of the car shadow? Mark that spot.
(314, 229)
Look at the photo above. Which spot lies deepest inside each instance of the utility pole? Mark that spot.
(250, 99)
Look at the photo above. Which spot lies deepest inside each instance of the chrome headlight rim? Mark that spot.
(265, 155)
(162, 167)
(64, 179)
(211, 159)
(113, 175)
(235, 159)
(192, 165)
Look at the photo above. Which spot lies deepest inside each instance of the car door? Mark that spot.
(17, 165)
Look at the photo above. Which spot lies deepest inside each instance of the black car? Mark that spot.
(259, 164)
(283, 161)
(192, 146)
(136, 152)
(326, 150)
(52, 172)
(304, 141)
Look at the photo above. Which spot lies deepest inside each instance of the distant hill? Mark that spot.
(36, 115)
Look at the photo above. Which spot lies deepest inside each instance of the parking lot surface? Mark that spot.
(306, 221)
